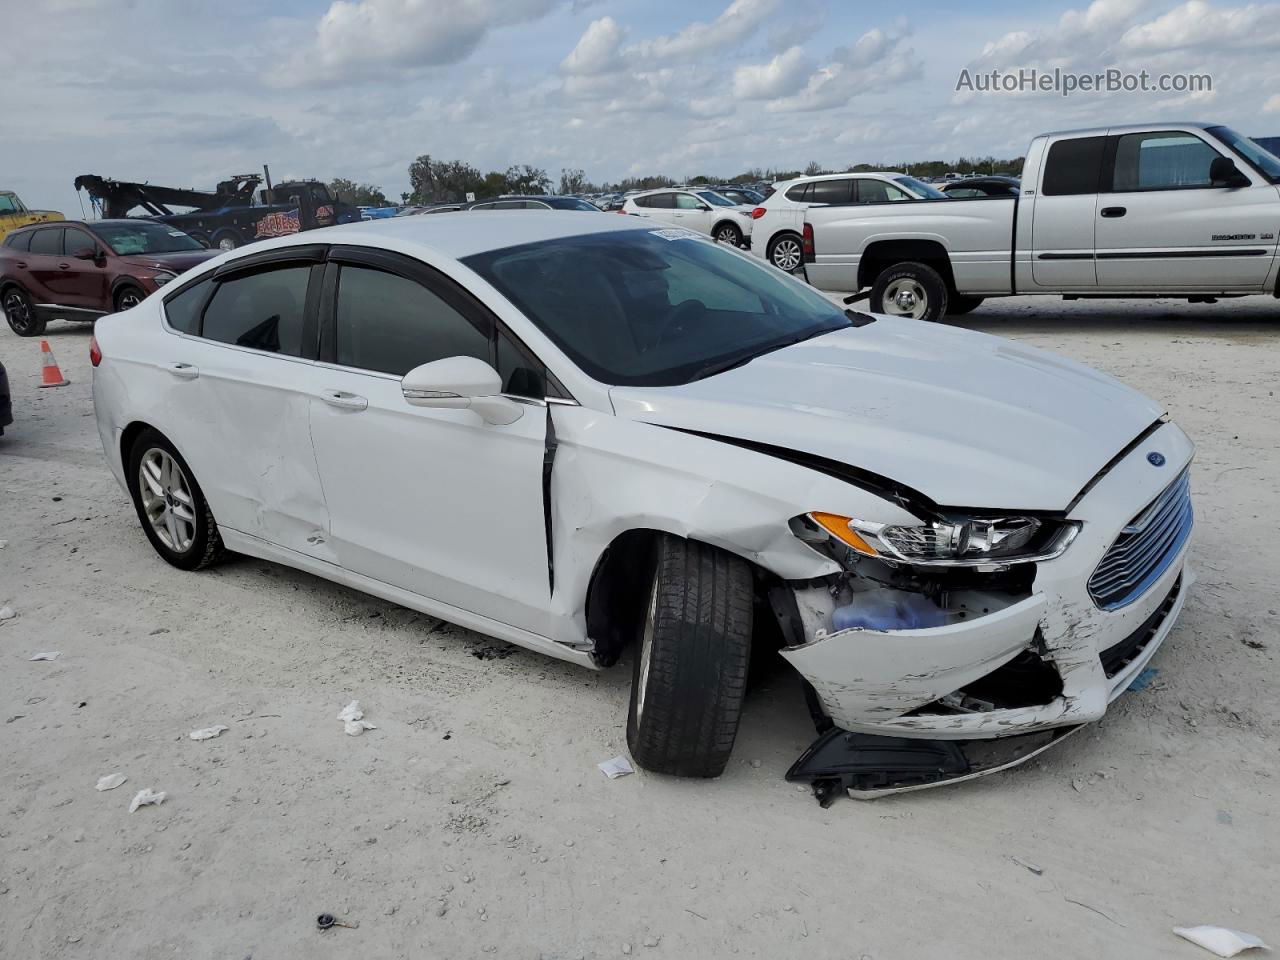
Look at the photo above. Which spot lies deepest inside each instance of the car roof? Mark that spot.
(458, 234)
(1127, 127)
(883, 174)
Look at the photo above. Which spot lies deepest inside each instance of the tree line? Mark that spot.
(449, 181)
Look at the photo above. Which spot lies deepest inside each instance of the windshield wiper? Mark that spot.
(742, 359)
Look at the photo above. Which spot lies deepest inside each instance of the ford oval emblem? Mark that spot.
(1155, 459)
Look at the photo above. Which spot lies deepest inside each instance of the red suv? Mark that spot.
(75, 270)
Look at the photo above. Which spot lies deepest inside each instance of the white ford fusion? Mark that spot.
(579, 436)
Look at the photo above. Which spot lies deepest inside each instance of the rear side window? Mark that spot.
(47, 241)
(392, 324)
(182, 310)
(1073, 167)
(261, 310)
(800, 193)
(663, 201)
(831, 191)
(18, 241)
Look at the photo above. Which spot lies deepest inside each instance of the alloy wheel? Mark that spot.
(18, 312)
(128, 300)
(727, 235)
(786, 254)
(167, 500)
(905, 297)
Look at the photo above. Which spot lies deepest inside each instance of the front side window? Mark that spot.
(77, 241)
(8, 204)
(47, 241)
(1073, 167)
(687, 201)
(141, 237)
(877, 191)
(262, 310)
(391, 324)
(1161, 161)
(639, 307)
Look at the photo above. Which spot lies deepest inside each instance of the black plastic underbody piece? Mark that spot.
(839, 760)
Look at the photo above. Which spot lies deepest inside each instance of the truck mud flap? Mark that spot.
(866, 766)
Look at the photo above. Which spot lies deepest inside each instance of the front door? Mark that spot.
(1162, 224)
(434, 501)
(238, 373)
(85, 279)
(692, 213)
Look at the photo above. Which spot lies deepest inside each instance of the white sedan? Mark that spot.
(586, 435)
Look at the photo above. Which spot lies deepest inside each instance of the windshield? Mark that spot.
(715, 199)
(921, 189)
(127, 239)
(1265, 162)
(655, 307)
(573, 203)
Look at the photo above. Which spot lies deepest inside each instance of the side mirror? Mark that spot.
(460, 383)
(1223, 172)
(88, 253)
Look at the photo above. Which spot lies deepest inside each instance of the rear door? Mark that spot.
(44, 266)
(1163, 224)
(437, 502)
(240, 370)
(659, 206)
(1064, 210)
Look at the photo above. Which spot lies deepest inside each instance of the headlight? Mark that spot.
(968, 542)
(162, 278)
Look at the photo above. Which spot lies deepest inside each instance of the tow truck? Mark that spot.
(236, 212)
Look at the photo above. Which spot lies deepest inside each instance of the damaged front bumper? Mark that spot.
(917, 708)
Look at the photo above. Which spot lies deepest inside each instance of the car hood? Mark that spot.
(177, 262)
(966, 419)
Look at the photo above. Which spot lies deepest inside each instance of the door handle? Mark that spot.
(21, 264)
(344, 400)
(64, 266)
(1114, 211)
(183, 371)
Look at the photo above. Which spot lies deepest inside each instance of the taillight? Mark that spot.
(808, 243)
(620, 210)
(757, 213)
(95, 355)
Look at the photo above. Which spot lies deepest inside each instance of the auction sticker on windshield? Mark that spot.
(677, 233)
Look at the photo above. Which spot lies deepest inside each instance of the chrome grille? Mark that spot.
(1145, 547)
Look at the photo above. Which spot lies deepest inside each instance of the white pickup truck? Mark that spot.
(1171, 209)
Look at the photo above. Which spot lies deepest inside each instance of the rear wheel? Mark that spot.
(910, 289)
(728, 233)
(226, 240)
(20, 314)
(691, 664)
(171, 507)
(786, 252)
(958, 305)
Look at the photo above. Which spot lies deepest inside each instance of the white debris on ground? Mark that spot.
(1221, 940)
(492, 774)
(617, 767)
(7, 613)
(353, 721)
(47, 655)
(145, 797)
(208, 733)
(110, 781)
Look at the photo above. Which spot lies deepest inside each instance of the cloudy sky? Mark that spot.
(186, 92)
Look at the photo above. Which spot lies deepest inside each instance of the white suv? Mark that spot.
(779, 221)
(702, 210)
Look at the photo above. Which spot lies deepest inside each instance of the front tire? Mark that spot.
(128, 297)
(20, 314)
(691, 664)
(225, 240)
(910, 289)
(786, 252)
(728, 233)
(171, 506)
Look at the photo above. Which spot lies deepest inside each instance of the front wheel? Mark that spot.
(728, 233)
(128, 297)
(171, 506)
(691, 665)
(912, 290)
(226, 240)
(20, 314)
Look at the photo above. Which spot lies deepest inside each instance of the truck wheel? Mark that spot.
(226, 240)
(958, 305)
(728, 233)
(21, 314)
(691, 664)
(786, 252)
(909, 290)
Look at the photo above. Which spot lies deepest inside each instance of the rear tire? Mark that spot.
(910, 289)
(691, 660)
(171, 506)
(20, 314)
(786, 252)
(225, 240)
(958, 306)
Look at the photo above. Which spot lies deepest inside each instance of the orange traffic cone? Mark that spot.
(51, 375)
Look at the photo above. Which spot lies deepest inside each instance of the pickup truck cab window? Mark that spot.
(1161, 160)
(1073, 166)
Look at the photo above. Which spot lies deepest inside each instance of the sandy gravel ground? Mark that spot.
(473, 821)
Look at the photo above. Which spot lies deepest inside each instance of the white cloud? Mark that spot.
(1272, 105)
(738, 21)
(877, 61)
(784, 74)
(1199, 24)
(597, 48)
